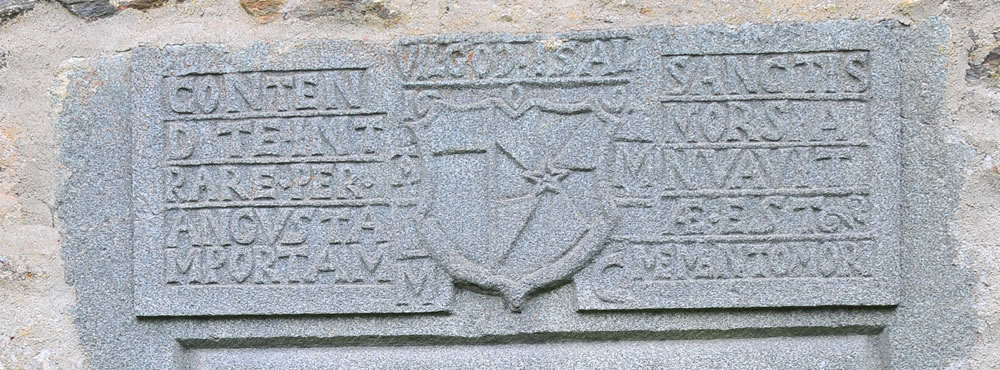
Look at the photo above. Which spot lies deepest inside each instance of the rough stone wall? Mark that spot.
(41, 40)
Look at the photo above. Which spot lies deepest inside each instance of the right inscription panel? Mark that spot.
(765, 176)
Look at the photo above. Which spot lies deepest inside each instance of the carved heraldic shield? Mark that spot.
(516, 191)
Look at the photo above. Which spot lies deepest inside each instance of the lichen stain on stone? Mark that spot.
(367, 11)
(984, 58)
(264, 10)
(988, 70)
(142, 4)
(16, 272)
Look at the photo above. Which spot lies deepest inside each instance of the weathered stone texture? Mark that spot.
(356, 9)
(87, 79)
(89, 9)
(425, 175)
(12, 8)
(36, 331)
(350, 11)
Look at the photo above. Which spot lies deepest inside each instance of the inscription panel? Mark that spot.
(763, 178)
(654, 170)
(281, 191)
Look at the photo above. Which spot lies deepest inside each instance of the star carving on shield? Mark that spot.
(547, 179)
(539, 197)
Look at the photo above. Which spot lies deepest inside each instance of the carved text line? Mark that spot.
(258, 115)
(280, 160)
(765, 96)
(656, 239)
(303, 203)
(499, 82)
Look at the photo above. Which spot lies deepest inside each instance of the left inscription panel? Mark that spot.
(269, 182)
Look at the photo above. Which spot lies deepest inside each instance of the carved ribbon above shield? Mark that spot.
(515, 188)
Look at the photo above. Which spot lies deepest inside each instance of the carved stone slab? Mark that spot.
(275, 184)
(767, 174)
(670, 197)
(651, 169)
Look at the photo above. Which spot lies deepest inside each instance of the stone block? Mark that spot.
(703, 195)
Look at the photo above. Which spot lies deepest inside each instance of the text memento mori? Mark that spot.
(766, 177)
(649, 170)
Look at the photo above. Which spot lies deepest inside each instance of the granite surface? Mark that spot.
(685, 190)
(12, 8)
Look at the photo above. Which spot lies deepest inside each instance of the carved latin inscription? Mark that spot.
(652, 169)
(463, 62)
(293, 179)
(760, 167)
